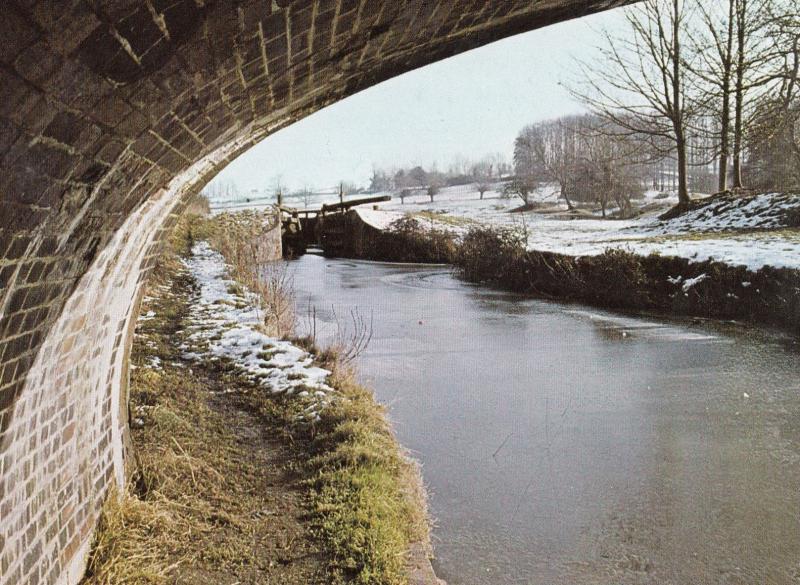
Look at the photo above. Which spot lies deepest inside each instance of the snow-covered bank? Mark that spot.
(227, 325)
(779, 250)
(717, 231)
(377, 218)
(765, 211)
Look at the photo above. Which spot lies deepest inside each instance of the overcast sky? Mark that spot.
(471, 105)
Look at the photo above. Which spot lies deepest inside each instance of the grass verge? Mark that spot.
(231, 487)
(216, 497)
(366, 495)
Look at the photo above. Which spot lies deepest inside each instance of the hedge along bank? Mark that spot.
(621, 279)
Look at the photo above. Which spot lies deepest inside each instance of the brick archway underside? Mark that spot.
(112, 111)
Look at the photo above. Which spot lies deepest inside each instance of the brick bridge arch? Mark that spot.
(111, 113)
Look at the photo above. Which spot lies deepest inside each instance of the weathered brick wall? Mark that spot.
(110, 111)
(65, 444)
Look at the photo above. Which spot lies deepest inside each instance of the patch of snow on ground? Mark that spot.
(751, 250)
(690, 282)
(766, 211)
(230, 326)
(153, 362)
(381, 220)
(465, 202)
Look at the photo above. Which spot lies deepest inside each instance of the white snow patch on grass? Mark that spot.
(765, 211)
(377, 218)
(147, 316)
(153, 362)
(230, 325)
(754, 251)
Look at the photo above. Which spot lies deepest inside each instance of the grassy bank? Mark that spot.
(366, 494)
(216, 496)
(366, 497)
(232, 485)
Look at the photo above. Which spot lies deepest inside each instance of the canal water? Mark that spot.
(567, 445)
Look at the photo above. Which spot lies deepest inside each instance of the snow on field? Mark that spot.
(464, 201)
(227, 325)
(697, 235)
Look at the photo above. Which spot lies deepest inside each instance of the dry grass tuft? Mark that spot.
(130, 543)
(239, 238)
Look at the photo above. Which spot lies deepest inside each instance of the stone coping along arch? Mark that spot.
(111, 113)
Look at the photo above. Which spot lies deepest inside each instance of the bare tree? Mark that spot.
(222, 189)
(518, 187)
(546, 151)
(736, 56)
(380, 181)
(348, 188)
(753, 52)
(786, 26)
(482, 184)
(643, 87)
(590, 159)
(305, 194)
(774, 140)
(481, 173)
(713, 45)
(609, 164)
(459, 166)
(433, 180)
(277, 187)
(417, 177)
(435, 184)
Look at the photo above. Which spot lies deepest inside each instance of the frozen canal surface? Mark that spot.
(565, 445)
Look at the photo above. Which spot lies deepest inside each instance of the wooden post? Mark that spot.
(280, 197)
(341, 192)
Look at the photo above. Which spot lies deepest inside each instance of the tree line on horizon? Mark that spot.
(406, 181)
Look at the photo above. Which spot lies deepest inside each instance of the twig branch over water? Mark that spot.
(503, 444)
